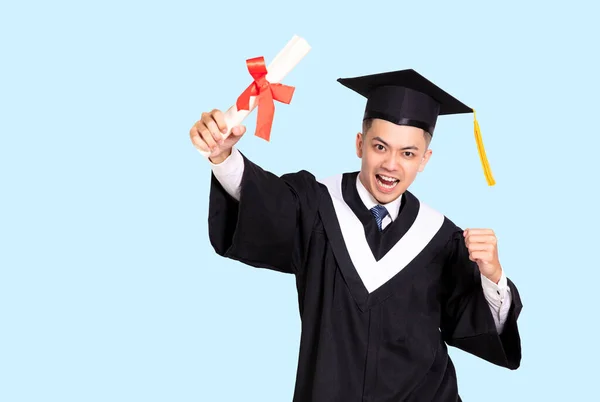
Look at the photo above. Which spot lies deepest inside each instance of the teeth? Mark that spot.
(387, 185)
(387, 178)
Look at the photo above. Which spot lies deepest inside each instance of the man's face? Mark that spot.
(392, 155)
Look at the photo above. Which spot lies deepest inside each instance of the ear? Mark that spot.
(425, 159)
(359, 145)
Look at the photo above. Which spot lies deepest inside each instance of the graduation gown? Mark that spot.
(378, 309)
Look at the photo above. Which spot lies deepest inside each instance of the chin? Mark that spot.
(387, 198)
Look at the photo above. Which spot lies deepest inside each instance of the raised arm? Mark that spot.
(255, 217)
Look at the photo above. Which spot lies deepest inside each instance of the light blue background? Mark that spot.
(109, 289)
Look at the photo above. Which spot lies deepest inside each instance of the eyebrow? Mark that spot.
(402, 149)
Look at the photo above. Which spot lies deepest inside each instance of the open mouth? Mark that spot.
(386, 183)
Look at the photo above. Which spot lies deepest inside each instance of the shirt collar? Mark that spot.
(392, 207)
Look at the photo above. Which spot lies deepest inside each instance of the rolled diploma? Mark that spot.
(282, 64)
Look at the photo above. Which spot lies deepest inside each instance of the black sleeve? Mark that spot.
(467, 322)
(270, 225)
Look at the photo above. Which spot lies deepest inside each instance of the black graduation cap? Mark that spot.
(405, 97)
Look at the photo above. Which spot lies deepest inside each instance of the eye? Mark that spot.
(379, 147)
(408, 154)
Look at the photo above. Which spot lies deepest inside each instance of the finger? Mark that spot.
(483, 256)
(470, 239)
(212, 127)
(207, 136)
(478, 232)
(197, 140)
(219, 118)
(481, 247)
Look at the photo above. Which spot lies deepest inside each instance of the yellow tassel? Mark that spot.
(486, 166)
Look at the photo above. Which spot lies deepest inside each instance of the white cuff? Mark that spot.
(229, 173)
(499, 299)
(495, 293)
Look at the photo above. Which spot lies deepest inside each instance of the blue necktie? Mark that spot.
(379, 213)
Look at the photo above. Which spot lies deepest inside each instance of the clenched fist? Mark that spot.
(483, 249)
(208, 132)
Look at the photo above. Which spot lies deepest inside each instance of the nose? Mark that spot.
(391, 163)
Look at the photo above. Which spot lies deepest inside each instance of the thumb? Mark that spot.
(238, 131)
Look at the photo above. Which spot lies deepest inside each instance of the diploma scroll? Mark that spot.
(282, 64)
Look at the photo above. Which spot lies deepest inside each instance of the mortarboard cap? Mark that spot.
(405, 97)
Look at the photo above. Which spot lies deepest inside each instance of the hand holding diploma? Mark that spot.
(211, 135)
(208, 136)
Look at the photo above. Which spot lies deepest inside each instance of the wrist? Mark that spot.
(217, 159)
(495, 276)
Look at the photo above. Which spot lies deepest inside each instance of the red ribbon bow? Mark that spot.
(265, 92)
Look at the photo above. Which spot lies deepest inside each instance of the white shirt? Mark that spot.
(229, 174)
(367, 198)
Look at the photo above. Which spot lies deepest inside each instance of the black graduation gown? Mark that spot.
(377, 332)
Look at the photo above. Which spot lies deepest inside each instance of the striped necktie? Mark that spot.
(379, 212)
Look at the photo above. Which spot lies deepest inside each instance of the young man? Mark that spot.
(384, 282)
